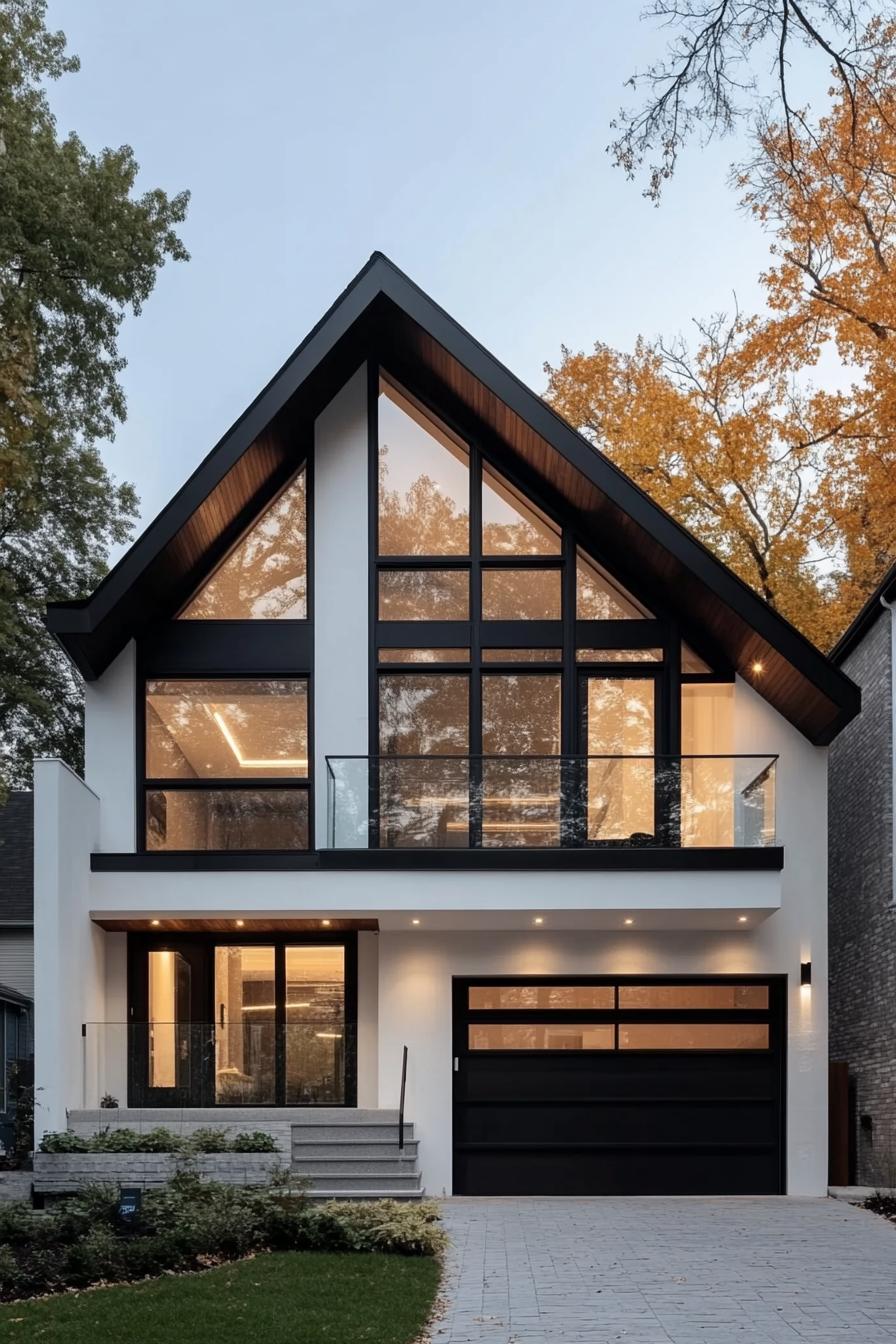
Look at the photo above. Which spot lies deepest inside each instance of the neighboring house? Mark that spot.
(863, 890)
(412, 721)
(16, 951)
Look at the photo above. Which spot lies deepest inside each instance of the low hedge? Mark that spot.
(159, 1140)
(191, 1224)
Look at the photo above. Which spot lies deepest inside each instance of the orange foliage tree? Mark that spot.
(791, 482)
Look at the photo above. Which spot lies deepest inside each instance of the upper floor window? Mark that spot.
(512, 524)
(424, 481)
(264, 576)
(226, 765)
(600, 598)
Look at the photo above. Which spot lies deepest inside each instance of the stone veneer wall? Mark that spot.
(862, 920)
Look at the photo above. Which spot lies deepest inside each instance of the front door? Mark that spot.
(242, 1022)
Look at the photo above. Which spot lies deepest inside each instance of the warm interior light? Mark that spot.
(757, 668)
(155, 923)
(256, 763)
(328, 1035)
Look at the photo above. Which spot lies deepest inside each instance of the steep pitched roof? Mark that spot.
(17, 859)
(383, 315)
(862, 623)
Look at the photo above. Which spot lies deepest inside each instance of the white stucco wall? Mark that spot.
(110, 750)
(69, 969)
(340, 606)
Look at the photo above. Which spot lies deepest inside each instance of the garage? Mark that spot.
(619, 1086)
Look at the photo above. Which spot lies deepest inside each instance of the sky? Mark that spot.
(466, 140)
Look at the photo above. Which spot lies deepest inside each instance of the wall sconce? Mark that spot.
(805, 973)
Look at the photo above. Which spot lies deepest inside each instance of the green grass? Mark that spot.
(299, 1297)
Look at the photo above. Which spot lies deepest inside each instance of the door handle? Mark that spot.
(456, 1064)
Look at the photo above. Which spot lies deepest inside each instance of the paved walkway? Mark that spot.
(667, 1271)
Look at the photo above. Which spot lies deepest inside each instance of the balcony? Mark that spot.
(538, 804)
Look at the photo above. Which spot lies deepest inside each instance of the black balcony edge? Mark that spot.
(769, 858)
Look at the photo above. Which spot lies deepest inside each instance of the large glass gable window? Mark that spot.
(424, 481)
(226, 764)
(264, 577)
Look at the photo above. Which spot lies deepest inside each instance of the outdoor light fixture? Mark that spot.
(415, 921)
(628, 921)
(240, 923)
(741, 919)
(326, 923)
(154, 923)
(805, 973)
(538, 920)
(757, 669)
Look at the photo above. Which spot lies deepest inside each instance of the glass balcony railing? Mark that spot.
(550, 802)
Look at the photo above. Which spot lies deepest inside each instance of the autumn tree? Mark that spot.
(730, 61)
(78, 250)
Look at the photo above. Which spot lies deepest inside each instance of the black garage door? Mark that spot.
(623, 1086)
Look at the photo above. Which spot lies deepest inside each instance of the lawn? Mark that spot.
(298, 1297)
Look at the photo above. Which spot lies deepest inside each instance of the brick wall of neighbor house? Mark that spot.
(862, 924)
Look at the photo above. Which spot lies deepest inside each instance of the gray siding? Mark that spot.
(862, 920)
(17, 960)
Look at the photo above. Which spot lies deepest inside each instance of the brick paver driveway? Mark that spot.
(667, 1271)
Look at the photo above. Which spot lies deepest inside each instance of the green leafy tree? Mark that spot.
(79, 248)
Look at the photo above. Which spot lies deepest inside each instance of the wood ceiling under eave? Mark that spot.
(816, 709)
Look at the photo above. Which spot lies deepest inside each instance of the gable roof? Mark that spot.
(856, 631)
(17, 859)
(384, 315)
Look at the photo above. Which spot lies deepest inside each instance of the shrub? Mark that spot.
(63, 1141)
(256, 1141)
(208, 1140)
(186, 1224)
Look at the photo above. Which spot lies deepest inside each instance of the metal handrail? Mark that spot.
(404, 1078)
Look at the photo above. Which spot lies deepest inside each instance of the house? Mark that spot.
(863, 890)
(16, 953)
(412, 722)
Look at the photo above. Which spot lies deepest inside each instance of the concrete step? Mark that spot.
(335, 1149)
(380, 1185)
(357, 1133)
(354, 1166)
(342, 1115)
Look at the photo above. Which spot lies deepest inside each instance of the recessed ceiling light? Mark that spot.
(240, 923)
(538, 920)
(326, 923)
(628, 921)
(415, 921)
(154, 923)
(757, 668)
(741, 919)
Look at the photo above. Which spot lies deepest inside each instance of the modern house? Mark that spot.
(16, 953)
(412, 722)
(863, 890)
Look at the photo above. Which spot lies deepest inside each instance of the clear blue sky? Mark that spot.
(465, 139)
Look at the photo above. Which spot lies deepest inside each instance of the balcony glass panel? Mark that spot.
(424, 481)
(620, 730)
(521, 595)
(707, 784)
(209, 818)
(422, 800)
(424, 595)
(520, 797)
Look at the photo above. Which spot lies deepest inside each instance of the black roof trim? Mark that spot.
(858, 628)
(381, 280)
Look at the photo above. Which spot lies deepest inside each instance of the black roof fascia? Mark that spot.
(858, 628)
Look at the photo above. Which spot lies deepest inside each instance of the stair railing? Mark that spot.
(404, 1078)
